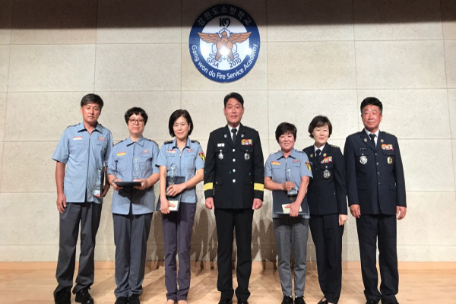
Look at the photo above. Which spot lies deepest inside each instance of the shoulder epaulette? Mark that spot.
(194, 141)
(119, 142)
(168, 142)
(334, 146)
(152, 141)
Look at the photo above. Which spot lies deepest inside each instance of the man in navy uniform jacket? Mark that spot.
(376, 196)
(233, 184)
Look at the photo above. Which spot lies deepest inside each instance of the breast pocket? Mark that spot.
(389, 158)
(327, 171)
(247, 152)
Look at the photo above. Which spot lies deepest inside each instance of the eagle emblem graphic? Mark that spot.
(224, 41)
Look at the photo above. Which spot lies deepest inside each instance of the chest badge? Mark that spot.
(363, 160)
(246, 156)
(220, 156)
(389, 160)
(326, 174)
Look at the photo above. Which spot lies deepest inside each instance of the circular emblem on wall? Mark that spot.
(224, 43)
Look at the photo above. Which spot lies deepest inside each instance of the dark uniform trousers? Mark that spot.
(234, 176)
(87, 215)
(326, 195)
(375, 181)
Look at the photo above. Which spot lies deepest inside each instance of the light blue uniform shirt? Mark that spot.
(187, 163)
(120, 164)
(276, 168)
(84, 154)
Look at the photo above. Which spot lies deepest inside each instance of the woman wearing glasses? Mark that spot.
(132, 159)
(181, 163)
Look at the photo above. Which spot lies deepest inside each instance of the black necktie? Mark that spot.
(234, 135)
(372, 136)
(317, 155)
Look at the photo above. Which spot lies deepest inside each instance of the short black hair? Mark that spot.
(136, 111)
(371, 101)
(319, 121)
(234, 95)
(285, 127)
(92, 98)
(176, 114)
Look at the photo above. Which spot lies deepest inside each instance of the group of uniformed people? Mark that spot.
(309, 188)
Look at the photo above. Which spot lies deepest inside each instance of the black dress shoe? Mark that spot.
(83, 296)
(133, 299)
(243, 301)
(225, 301)
(287, 300)
(121, 300)
(63, 296)
(300, 300)
(323, 301)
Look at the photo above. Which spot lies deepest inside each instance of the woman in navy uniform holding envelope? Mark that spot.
(328, 207)
(287, 173)
(180, 158)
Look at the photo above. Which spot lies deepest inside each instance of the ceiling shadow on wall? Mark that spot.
(58, 14)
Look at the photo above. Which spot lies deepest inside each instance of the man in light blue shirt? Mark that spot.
(81, 154)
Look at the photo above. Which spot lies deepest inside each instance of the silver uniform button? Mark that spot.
(234, 159)
(234, 180)
(234, 170)
(234, 150)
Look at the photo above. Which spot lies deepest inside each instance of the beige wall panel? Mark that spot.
(425, 209)
(51, 68)
(2, 116)
(449, 19)
(6, 14)
(44, 116)
(413, 113)
(32, 160)
(1, 157)
(38, 223)
(452, 110)
(397, 20)
(139, 21)
(255, 79)
(27, 253)
(300, 107)
(206, 108)
(419, 175)
(450, 62)
(192, 9)
(134, 67)
(4, 67)
(426, 253)
(453, 146)
(305, 20)
(311, 65)
(158, 105)
(54, 22)
(400, 64)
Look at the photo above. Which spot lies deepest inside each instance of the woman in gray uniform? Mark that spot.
(181, 163)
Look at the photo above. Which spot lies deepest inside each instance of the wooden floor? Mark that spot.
(33, 283)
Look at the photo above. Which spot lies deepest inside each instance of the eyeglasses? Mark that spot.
(136, 121)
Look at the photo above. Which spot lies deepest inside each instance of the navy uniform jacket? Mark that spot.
(233, 173)
(375, 176)
(327, 195)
